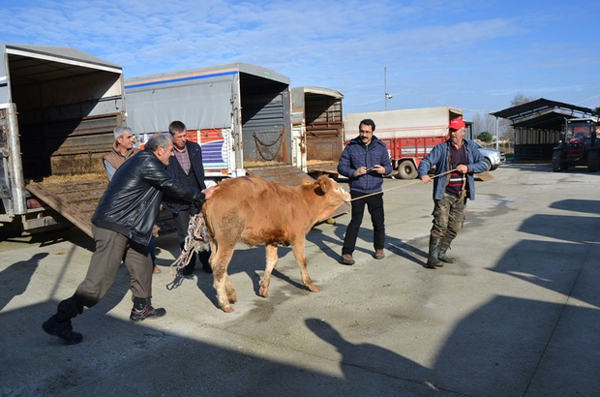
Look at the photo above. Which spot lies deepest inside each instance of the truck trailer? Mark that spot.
(58, 109)
(318, 129)
(238, 113)
(409, 134)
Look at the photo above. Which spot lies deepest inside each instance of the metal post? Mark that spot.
(16, 165)
(385, 86)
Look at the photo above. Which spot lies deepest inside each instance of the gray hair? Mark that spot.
(156, 141)
(120, 131)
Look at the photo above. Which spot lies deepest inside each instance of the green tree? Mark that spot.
(485, 137)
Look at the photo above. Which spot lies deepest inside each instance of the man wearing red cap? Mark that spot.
(450, 190)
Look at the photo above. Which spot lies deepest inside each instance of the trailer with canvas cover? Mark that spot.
(318, 129)
(58, 109)
(238, 113)
(409, 134)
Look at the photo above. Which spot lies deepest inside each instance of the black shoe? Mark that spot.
(147, 311)
(347, 259)
(206, 267)
(64, 331)
(187, 270)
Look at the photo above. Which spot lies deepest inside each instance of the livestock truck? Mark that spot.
(409, 134)
(238, 113)
(58, 108)
(317, 129)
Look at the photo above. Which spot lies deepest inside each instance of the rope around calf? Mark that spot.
(398, 187)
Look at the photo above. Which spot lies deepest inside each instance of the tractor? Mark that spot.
(578, 145)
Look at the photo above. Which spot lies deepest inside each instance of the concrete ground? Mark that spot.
(518, 315)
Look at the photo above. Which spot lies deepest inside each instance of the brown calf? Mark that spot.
(256, 211)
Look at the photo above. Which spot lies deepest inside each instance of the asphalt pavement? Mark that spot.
(517, 315)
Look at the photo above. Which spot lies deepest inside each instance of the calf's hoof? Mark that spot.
(313, 288)
(264, 292)
(227, 309)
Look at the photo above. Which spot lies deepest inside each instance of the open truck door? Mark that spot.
(58, 109)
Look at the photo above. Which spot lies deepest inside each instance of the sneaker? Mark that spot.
(379, 254)
(64, 331)
(347, 259)
(148, 311)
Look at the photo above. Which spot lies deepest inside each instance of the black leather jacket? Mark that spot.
(132, 199)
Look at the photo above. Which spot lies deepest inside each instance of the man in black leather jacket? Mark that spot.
(122, 226)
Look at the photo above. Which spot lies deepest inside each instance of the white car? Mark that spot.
(493, 157)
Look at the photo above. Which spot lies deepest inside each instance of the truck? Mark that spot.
(58, 109)
(409, 134)
(238, 113)
(317, 129)
(578, 145)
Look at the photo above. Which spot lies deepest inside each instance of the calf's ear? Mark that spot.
(324, 183)
(307, 181)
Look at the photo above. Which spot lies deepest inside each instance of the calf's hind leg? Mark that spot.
(271, 254)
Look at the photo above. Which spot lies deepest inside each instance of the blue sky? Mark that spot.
(474, 55)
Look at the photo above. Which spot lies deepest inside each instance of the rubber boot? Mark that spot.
(434, 247)
(442, 254)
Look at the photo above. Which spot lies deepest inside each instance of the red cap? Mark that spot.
(456, 124)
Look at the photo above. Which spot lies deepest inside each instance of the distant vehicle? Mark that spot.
(493, 157)
(409, 134)
(578, 145)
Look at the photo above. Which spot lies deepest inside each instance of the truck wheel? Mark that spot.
(407, 170)
(593, 161)
(556, 163)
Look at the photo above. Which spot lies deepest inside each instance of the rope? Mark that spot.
(401, 186)
(196, 240)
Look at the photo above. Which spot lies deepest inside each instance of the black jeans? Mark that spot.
(375, 205)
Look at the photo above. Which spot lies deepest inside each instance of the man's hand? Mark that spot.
(462, 169)
(380, 169)
(209, 192)
(360, 171)
(426, 178)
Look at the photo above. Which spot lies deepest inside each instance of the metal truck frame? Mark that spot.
(238, 113)
(58, 108)
(318, 129)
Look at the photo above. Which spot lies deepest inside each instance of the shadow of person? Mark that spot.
(15, 278)
(371, 358)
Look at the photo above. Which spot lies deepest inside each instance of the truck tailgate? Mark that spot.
(76, 200)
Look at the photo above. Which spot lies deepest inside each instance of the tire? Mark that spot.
(556, 161)
(407, 170)
(593, 161)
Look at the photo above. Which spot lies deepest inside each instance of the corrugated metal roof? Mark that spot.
(539, 106)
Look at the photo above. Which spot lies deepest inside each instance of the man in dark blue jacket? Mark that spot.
(365, 161)
(186, 167)
(122, 227)
(450, 191)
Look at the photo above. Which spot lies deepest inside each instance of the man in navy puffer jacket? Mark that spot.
(365, 161)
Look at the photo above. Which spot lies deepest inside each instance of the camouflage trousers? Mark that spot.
(448, 217)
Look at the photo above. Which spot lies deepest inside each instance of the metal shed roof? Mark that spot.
(542, 113)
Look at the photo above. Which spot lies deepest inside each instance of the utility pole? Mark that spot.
(387, 96)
